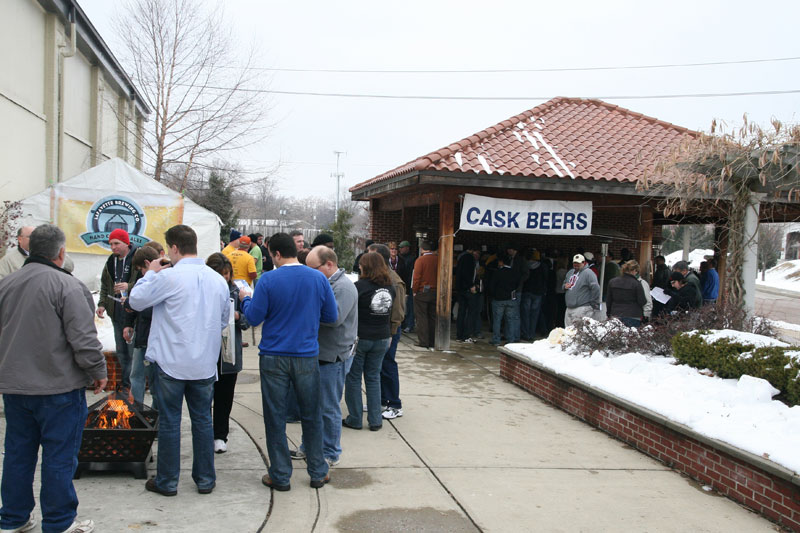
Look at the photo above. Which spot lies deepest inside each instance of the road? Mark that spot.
(785, 308)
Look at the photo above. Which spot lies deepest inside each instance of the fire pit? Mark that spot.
(118, 436)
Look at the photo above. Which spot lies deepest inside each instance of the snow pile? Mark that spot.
(740, 412)
(785, 275)
(695, 258)
(759, 341)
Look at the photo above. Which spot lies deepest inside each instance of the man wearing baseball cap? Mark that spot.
(115, 281)
(581, 291)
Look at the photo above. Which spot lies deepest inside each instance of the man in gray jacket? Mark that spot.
(49, 353)
(582, 291)
(336, 341)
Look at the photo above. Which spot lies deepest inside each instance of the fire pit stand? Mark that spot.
(125, 447)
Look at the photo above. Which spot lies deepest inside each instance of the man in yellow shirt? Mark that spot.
(244, 264)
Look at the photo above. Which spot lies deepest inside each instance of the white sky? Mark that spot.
(380, 134)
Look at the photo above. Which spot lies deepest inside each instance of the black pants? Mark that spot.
(425, 315)
(223, 403)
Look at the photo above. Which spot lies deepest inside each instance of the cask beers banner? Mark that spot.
(548, 217)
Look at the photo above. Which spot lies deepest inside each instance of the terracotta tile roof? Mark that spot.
(569, 138)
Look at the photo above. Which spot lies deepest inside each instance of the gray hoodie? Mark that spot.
(585, 291)
(337, 338)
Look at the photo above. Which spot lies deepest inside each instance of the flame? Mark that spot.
(115, 415)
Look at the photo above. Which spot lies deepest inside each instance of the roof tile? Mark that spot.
(570, 137)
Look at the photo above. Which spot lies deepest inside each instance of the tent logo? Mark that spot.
(115, 212)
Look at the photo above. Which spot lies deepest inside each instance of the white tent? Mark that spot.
(111, 195)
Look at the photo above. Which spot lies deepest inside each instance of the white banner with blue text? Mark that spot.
(549, 217)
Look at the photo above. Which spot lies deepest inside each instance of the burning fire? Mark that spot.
(115, 415)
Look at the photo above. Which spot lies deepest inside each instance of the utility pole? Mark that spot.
(338, 175)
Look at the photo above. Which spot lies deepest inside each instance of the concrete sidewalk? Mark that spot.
(472, 453)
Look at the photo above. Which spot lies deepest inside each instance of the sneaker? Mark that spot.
(26, 527)
(392, 412)
(84, 526)
(297, 454)
(332, 462)
(220, 446)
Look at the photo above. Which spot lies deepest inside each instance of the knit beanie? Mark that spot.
(121, 235)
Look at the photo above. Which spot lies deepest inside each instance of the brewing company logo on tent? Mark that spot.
(115, 212)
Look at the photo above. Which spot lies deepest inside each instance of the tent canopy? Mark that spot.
(114, 195)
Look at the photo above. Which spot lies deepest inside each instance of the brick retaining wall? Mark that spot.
(764, 487)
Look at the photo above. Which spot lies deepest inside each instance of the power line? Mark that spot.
(499, 98)
(519, 70)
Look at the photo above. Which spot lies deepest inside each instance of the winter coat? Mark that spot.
(625, 297)
(107, 280)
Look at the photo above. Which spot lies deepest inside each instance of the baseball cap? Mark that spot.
(244, 239)
(403, 244)
(578, 259)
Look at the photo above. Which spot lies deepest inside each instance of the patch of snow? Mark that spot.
(535, 157)
(759, 341)
(558, 172)
(520, 125)
(539, 126)
(785, 325)
(484, 164)
(695, 258)
(518, 136)
(739, 412)
(785, 276)
(572, 164)
(553, 153)
(459, 160)
(531, 139)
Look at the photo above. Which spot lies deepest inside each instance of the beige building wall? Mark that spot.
(59, 105)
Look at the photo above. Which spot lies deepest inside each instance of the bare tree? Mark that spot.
(770, 237)
(184, 61)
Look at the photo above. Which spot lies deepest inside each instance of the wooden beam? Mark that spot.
(444, 284)
(721, 236)
(645, 242)
(397, 201)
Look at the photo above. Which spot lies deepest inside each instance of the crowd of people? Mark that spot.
(178, 321)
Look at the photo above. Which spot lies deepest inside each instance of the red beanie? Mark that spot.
(120, 235)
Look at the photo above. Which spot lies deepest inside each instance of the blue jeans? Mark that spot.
(408, 321)
(508, 310)
(141, 372)
(303, 373)
(631, 322)
(477, 325)
(331, 387)
(390, 378)
(198, 394)
(54, 421)
(530, 309)
(124, 353)
(367, 362)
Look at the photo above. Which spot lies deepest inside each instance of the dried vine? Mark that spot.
(716, 174)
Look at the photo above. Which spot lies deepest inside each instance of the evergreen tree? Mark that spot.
(218, 198)
(342, 240)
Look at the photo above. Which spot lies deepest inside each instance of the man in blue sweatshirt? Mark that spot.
(291, 301)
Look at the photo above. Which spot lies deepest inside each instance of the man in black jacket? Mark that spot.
(505, 300)
(116, 280)
(467, 287)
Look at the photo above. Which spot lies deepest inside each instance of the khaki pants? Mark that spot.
(574, 314)
(425, 315)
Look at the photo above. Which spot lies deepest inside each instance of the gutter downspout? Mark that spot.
(64, 51)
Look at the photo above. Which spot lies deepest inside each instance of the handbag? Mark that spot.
(229, 337)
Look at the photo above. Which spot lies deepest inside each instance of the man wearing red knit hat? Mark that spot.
(115, 282)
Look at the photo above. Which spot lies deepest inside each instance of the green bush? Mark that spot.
(731, 360)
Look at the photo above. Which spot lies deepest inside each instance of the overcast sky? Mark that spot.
(380, 134)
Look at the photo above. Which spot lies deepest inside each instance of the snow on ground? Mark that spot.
(785, 275)
(695, 258)
(740, 412)
(742, 337)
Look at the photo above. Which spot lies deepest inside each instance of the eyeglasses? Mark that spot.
(315, 267)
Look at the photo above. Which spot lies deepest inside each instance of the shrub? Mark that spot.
(730, 359)
(656, 337)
